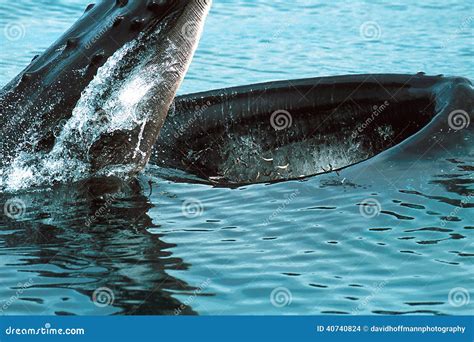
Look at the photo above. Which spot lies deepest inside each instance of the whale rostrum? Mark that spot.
(100, 94)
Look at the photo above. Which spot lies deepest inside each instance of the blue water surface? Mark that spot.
(299, 247)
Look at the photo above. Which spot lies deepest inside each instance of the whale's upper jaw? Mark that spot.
(64, 70)
(102, 30)
(42, 96)
(170, 45)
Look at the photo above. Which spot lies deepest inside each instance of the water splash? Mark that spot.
(62, 163)
(113, 101)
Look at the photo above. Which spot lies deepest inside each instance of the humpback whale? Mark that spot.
(296, 128)
(95, 103)
(98, 96)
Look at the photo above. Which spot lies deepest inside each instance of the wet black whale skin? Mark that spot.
(47, 90)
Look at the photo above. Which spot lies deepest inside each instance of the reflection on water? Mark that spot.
(71, 241)
(334, 244)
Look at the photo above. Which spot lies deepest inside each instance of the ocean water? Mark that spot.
(296, 247)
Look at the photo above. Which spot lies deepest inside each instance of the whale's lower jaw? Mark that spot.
(292, 129)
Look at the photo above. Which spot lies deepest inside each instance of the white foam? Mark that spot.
(64, 163)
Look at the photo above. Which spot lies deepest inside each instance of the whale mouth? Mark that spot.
(288, 130)
(94, 102)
